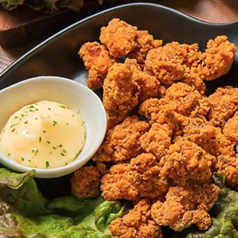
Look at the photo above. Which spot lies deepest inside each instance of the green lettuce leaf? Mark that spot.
(90, 222)
(72, 206)
(20, 191)
(11, 4)
(24, 212)
(49, 5)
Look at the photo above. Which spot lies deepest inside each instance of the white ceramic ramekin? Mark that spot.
(74, 95)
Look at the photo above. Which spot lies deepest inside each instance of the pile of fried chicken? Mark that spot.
(165, 138)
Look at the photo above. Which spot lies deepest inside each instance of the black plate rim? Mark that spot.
(63, 31)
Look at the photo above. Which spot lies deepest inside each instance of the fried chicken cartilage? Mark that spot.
(228, 165)
(138, 223)
(231, 128)
(166, 63)
(157, 140)
(145, 42)
(123, 141)
(181, 98)
(149, 85)
(199, 131)
(186, 206)
(224, 104)
(119, 37)
(120, 93)
(217, 59)
(86, 181)
(98, 61)
(131, 181)
(185, 161)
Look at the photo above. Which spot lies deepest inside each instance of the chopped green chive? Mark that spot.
(47, 164)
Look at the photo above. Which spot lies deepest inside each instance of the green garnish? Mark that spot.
(47, 164)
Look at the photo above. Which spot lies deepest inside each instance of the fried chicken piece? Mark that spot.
(185, 206)
(228, 165)
(157, 140)
(185, 161)
(86, 181)
(123, 141)
(153, 109)
(224, 104)
(145, 42)
(201, 132)
(149, 85)
(194, 80)
(186, 99)
(98, 61)
(138, 223)
(231, 128)
(197, 130)
(120, 94)
(131, 181)
(119, 37)
(217, 59)
(166, 63)
(180, 98)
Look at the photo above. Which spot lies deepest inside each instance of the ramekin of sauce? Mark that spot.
(50, 124)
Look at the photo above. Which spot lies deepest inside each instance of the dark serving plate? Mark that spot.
(58, 55)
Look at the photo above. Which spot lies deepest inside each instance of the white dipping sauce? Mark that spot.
(43, 135)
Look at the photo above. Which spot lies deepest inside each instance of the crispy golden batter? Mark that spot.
(166, 63)
(224, 103)
(157, 140)
(120, 93)
(180, 98)
(199, 131)
(98, 61)
(145, 42)
(217, 59)
(230, 129)
(149, 85)
(185, 161)
(119, 37)
(186, 63)
(131, 181)
(186, 206)
(228, 165)
(123, 141)
(194, 80)
(86, 181)
(138, 223)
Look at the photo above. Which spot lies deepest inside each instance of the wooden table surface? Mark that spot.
(216, 11)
